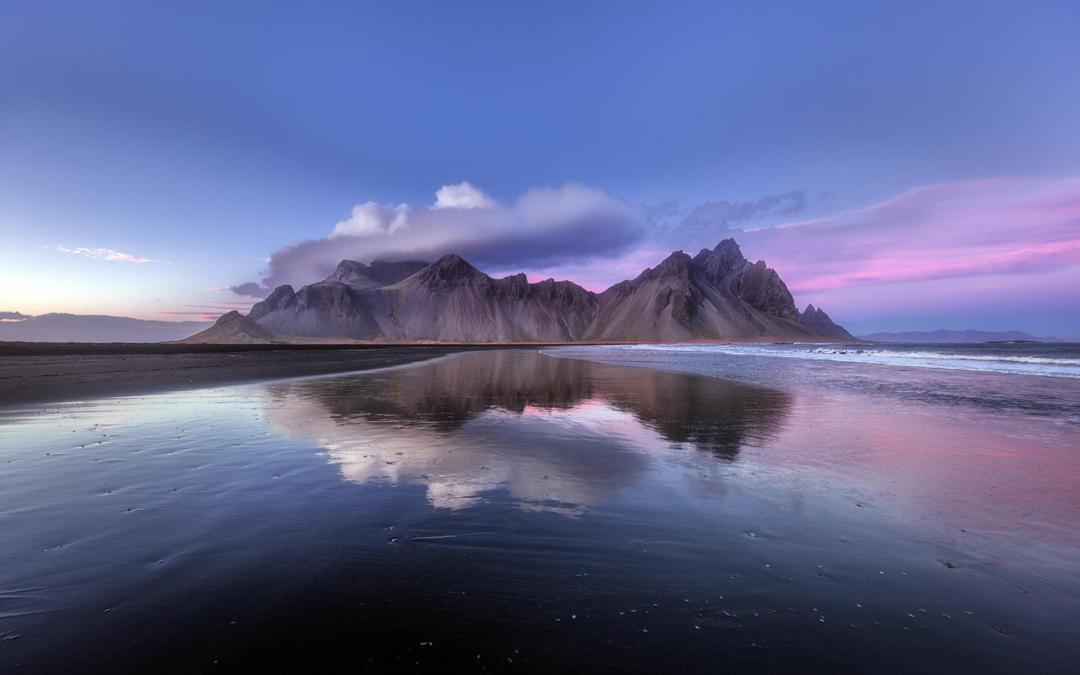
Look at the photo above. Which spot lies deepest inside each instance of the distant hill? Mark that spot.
(716, 295)
(234, 329)
(942, 336)
(92, 328)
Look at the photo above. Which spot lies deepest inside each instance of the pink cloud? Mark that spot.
(108, 254)
(959, 229)
(891, 268)
(954, 245)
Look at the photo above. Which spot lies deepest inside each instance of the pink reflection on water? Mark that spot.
(968, 475)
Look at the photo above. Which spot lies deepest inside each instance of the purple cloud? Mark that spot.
(250, 289)
(545, 226)
(958, 229)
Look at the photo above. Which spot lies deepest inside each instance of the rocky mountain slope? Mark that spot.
(715, 295)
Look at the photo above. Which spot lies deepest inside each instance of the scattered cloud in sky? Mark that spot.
(249, 289)
(109, 254)
(205, 311)
(714, 216)
(215, 305)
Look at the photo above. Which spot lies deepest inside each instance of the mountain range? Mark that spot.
(57, 327)
(715, 295)
(943, 336)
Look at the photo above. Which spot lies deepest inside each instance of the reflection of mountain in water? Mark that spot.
(556, 433)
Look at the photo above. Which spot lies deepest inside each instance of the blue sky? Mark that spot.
(208, 138)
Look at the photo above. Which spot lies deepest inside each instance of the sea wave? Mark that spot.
(1012, 364)
(950, 356)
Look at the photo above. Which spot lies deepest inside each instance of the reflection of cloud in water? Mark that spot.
(555, 434)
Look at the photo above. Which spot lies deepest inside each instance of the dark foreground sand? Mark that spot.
(52, 372)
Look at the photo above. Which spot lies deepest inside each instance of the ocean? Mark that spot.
(1014, 358)
(1033, 379)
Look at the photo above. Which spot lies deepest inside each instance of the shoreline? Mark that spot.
(15, 349)
(37, 373)
(23, 348)
(56, 372)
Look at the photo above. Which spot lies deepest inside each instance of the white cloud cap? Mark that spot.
(370, 219)
(464, 195)
(542, 227)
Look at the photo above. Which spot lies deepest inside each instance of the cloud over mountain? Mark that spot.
(724, 213)
(249, 289)
(544, 226)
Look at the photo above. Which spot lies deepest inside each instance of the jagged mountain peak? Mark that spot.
(729, 246)
(677, 263)
(281, 298)
(378, 273)
(677, 258)
(727, 249)
(519, 280)
(453, 260)
(821, 323)
(814, 313)
(722, 261)
(451, 268)
(352, 273)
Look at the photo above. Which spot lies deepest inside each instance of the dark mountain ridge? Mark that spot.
(715, 295)
(943, 336)
(59, 327)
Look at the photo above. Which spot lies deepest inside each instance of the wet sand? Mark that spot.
(35, 372)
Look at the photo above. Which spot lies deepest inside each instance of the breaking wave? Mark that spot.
(989, 358)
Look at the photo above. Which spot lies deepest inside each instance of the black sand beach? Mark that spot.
(39, 372)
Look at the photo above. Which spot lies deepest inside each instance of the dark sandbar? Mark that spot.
(45, 372)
